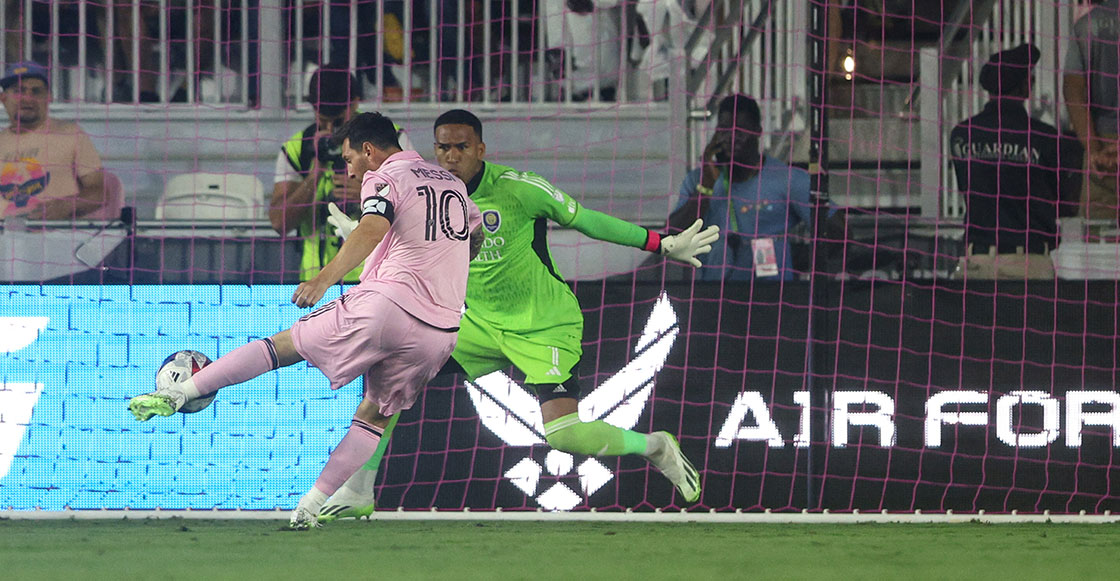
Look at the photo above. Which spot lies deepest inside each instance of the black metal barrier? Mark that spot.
(250, 253)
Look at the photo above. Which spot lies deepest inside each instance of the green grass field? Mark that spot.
(574, 551)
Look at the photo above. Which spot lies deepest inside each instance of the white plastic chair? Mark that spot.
(212, 196)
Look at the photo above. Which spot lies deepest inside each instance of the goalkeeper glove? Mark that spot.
(690, 243)
(343, 224)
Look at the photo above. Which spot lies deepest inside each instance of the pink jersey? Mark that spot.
(422, 263)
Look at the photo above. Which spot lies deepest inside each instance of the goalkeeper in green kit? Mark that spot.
(520, 312)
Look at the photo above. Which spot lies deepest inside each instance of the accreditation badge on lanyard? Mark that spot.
(765, 261)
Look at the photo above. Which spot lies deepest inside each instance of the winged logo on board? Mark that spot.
(17, 400)
(513, 414)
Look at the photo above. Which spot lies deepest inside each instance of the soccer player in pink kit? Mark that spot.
(396, 328)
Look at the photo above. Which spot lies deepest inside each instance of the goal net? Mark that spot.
(912, 305)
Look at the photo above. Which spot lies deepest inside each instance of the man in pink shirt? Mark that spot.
(49, 170)
(395, 328)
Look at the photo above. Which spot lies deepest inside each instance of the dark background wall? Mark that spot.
(905, 341)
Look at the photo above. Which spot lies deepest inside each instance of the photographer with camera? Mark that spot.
(753, 198)
(311, 175)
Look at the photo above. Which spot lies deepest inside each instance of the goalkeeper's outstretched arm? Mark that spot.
(685, 246)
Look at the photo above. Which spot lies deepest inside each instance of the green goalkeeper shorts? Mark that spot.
(545, 357)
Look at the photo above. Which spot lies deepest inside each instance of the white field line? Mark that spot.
(738, 517)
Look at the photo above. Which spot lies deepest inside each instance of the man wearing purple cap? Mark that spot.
(50, 171)
(1009, 167)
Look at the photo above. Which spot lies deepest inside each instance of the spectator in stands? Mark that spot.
(463, 70)
(330, 21)
(754, 198)
(51, 171)
(590, 33)
(127, 66)
(1009, 168)
(136, 27)
(657, 33)
(473, 30)
(1092, 95)
(310, 172)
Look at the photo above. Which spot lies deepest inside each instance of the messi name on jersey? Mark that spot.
(423, 172)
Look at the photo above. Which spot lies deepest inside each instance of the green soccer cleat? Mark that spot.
(342, 506)
(672, 463)
(162, 402)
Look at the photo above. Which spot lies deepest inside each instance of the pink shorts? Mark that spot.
(367, 334)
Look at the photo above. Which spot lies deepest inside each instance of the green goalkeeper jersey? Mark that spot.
(514, 283)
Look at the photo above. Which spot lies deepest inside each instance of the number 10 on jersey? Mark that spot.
(440, 208)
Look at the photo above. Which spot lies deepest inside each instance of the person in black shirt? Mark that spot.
(1010, 168)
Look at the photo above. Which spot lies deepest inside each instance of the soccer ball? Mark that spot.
(179, 367)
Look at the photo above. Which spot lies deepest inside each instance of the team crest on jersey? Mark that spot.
(491, 220)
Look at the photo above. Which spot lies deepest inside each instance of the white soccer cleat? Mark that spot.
(345, 504)
(161, 402)
(303, 518)
(672, 463)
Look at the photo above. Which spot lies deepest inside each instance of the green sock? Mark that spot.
(375, 461)
(597, 438)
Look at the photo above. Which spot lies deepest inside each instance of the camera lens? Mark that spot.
(329, 153)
